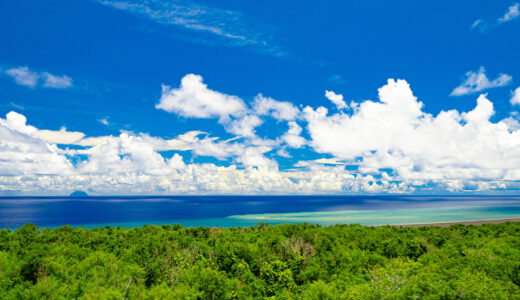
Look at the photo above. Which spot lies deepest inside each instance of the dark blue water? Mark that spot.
(214, 210)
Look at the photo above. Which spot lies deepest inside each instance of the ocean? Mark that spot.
(230, 211)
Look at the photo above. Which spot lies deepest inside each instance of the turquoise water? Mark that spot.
(231, 211)
(390, 216)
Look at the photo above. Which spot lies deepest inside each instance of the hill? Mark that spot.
(79, 194)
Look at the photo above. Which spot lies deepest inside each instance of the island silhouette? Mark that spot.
(79, 194)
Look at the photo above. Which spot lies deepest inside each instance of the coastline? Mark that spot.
(446, 224)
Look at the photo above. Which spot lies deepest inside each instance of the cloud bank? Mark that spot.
(388, 145)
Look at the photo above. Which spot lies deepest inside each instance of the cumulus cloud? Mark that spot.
(280, 110)
(193, 99)
(385, 145)
(515, 97)
(26, 77)
(337, 99)
(292, 137)
(511, 14)
(30, 165)
(22, 153)
(395, 133)
(477, 81)
(245, 126)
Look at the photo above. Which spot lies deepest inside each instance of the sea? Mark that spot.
(233, 211)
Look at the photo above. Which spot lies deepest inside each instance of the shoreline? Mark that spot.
(446, 224)
(434, 224)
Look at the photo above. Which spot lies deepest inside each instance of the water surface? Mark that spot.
(227, 211)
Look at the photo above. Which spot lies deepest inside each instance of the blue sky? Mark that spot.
(78, 70)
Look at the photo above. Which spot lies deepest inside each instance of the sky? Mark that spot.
(259, 97)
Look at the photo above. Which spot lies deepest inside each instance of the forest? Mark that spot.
(288, 261)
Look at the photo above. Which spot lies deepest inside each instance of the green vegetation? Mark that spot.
(299, 261)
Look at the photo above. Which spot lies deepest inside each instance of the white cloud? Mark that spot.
(26, 77)
(92, 141)
(30, 165)
(391, 144)
(55, 81)
(104, 121)
(477, 23)
(226, 27)
(22, 153)
(395, 133)
(194, 99)
(184, 141)
(478, 81)
(482, 26)
(337, 99)
(292, 137)
(329, 161)
(60, 137)
(245, 126)
(280, 110)
(512, 122)
(511, 14)
(515, 98)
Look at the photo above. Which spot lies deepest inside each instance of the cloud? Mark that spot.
(477, 81)
(60, 137)
(23, 153)
(104, 121)
(26, 77)
(477, 23)
(280, 110)
(386, 145)
(245, 126)
(230, 28)
(396, 134)
(336, 99)
(336, 79)
(92, 141)
(292, 137)
(515, 98)
(482, 26)
(511, 14)
(56, 82)
(193, 99)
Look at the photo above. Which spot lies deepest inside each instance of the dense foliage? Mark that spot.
(283, 261)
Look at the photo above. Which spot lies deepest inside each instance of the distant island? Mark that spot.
(79, 194)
